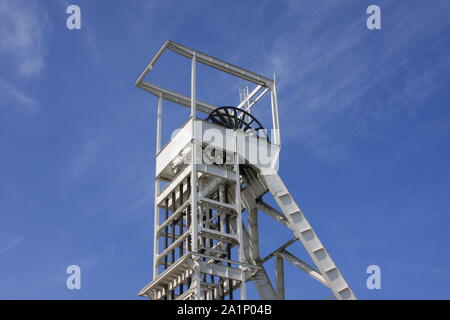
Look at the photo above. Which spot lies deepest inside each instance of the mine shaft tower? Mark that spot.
(206, 208)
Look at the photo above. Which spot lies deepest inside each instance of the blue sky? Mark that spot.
(365, 125)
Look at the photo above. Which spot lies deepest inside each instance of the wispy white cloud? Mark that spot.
(104, 256)
(22, 27)
(23, 101)
(22, 52)
(338, 85)
(86, 157)
(10, 244)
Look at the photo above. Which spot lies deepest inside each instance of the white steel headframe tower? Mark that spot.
(203, 249)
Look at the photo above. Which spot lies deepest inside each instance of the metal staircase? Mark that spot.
(305, 233)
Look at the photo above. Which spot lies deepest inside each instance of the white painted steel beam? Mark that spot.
(238, 204)
(279, 276)
(220, 65)
(252, 103)
(272, 212)
(249, 97)
(233, 262)
(253, 233)
(219, 172)
(275, 252)
(302, 266)
(193, 168)
(275, 119)
(172, 186)
(175, 97)
(220, 270)
(207, 60)
(152, 62)
(157, 190)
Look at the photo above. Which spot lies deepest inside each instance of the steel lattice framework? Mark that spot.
(206, 243)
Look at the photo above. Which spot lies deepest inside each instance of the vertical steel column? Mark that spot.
(180, 221)
(166, 232)
(221, 289)
(173, 235)
(211, 242)
(279, 277)
(221, 217)
(157, 189)
(197, 281)
(221, 227)
(181, 231)
(194, 189)
(240, 231)
(275, 119)
(228, 245)
(188, 216)
(159, 124)
(173, 225)
(188, 226)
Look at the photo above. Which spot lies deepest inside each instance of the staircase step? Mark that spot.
(308, 237)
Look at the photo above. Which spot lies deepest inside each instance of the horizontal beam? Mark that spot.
(221, 270)
(218, 205)
(178, 212)
(175, 97)
(250, 266)
(173, 186)
(219, 172)
(220, 65)
(217, 235)
(174, 245)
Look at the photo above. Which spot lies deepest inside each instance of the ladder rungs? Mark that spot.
(282, 194)
(318, 250)
(346, 293)
(330, 269)
(306, 229)
(315, 251)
